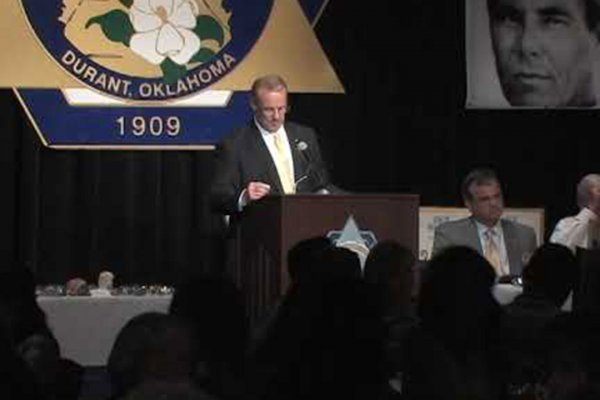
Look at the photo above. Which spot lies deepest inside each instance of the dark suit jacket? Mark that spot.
(243, 157)
(520, 240)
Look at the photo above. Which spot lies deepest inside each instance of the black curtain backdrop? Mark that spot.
(400, 127)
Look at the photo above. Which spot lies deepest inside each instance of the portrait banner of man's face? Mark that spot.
(532, 53)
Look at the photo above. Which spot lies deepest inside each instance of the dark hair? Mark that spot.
(18, 305)
(340, 263)
(151, 345)
(479, 176)
(390, 274)
(551, 271)
(386, 261)
(214, 308)
(592, 14)
(455, 302)
(305, 257)
(325, 341)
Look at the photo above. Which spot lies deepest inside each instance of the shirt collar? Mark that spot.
(266, 133)
(482, 229)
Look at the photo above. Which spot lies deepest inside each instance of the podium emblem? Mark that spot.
(355, 239)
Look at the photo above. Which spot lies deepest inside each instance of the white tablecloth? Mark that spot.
(86, 327)
(506, 293)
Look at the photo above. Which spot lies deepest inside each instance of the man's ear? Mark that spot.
(468, 203)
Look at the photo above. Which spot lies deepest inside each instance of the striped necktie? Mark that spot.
(492, 253)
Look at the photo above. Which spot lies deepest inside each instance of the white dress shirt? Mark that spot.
(574, 231)
(269, 139)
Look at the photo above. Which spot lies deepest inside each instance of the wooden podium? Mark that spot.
(267, 229)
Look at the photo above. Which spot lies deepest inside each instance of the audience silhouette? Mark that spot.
(29, 342)
(455, 356)
(214, 308)
(338, 332)
(151, 346)
(548, 278)
(326, 338)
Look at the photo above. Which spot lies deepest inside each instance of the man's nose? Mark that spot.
(497, 202)
(278, 113)
(529, 40)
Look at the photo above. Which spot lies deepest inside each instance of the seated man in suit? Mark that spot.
(267, 156)
(582, 230)
(506, 244)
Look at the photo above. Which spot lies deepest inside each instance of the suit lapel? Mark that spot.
(263, 158)
(297, 159)
(473, 236)
(512, 247)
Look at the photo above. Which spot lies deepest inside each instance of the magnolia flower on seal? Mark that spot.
(164, 29)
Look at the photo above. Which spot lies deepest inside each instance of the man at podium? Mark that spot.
(269, 155)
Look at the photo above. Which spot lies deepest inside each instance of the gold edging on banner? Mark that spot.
(145, 103)
(321, 10)
(30, 116)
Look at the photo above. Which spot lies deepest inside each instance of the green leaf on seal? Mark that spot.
(208, 28)
(203, 55)
(116, 26)
(172, 71)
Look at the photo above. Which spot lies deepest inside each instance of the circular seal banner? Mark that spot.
(148, 50)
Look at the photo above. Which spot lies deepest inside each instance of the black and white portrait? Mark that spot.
(532, 53)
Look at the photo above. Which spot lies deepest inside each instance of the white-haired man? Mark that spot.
(582, 230)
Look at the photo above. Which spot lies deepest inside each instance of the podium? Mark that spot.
(268, 228)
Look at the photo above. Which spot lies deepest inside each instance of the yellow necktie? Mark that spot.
(283, 165)
(492, 253)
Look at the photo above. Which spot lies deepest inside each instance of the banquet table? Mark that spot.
(86, 327)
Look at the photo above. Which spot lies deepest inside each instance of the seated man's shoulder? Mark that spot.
(457, 232)
(518, 226)
(524, 234)
(454, 224)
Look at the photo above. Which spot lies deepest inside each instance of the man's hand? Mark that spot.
(257, 190)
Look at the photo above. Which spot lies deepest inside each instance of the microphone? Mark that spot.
(302, 148)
